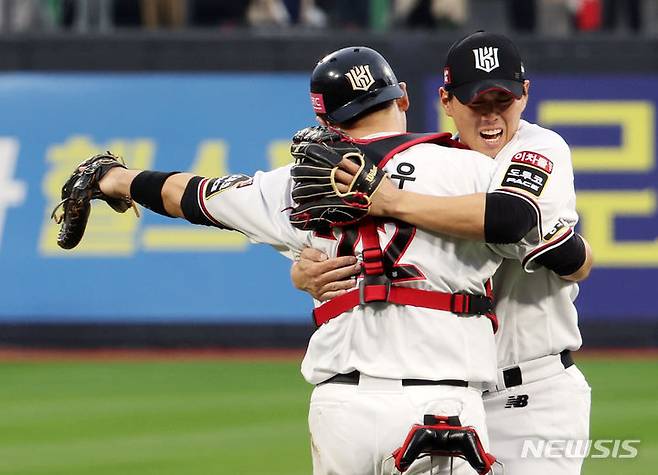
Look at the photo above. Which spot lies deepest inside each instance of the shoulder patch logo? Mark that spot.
(486, 58)
(561, 224)
(360, 77)
(534, 159)
(525, 178)
(217, 185)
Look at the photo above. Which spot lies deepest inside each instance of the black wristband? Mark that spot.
(146, 189)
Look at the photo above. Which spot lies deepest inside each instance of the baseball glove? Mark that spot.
(77, 193)
(316, 134)
(320, 203)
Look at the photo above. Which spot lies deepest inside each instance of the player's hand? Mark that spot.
(77, 193)
(109, 183)
(381, 201)
(322, 277)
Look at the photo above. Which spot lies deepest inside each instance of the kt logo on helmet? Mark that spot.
(360, 77)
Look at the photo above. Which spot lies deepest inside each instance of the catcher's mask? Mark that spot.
(351, 81)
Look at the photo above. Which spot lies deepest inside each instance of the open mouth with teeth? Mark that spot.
(491, 135)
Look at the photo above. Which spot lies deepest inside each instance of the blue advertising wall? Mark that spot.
(154, 269)
(610, 124)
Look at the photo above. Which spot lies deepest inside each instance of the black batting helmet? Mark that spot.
(350, 81)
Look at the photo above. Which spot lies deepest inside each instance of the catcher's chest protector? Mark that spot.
(376, 285)
(381, 150)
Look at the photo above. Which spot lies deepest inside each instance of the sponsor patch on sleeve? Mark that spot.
(217, 185)
(525, 178)
(534, 159)
(561, 224)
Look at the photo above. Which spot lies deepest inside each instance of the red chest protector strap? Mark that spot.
(375, 285)
(468, 304)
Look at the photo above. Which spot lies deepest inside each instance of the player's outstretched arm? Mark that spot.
(120, 182)
(253, 205)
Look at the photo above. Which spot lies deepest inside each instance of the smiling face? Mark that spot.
(489, 122)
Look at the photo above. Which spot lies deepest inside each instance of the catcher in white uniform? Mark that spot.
(539, 394)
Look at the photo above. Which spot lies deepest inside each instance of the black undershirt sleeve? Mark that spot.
(566, 258)
(189, 203)
(507, 218)
(191, 206)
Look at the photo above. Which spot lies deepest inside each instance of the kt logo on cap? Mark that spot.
(486, 58)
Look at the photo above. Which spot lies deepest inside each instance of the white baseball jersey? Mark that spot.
(536, 311)
(383, 340)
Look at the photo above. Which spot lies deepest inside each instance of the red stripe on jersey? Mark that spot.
(443, 137)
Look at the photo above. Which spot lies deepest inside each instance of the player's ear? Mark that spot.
(526, 87)
(526, 90)
(403, 102)
(444, 99)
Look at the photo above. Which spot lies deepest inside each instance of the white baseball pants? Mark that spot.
(530, 425)
(355, 428)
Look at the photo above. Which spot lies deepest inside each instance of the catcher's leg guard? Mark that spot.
(445, 437)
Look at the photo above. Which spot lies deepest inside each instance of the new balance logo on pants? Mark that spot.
(517, 401)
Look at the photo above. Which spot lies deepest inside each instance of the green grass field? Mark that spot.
(231, 417)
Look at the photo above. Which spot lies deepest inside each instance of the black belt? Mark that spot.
(513, 376)
(354, 376)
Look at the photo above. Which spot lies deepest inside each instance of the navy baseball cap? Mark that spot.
(483, 62)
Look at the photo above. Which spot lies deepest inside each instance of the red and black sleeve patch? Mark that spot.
(534, 159)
